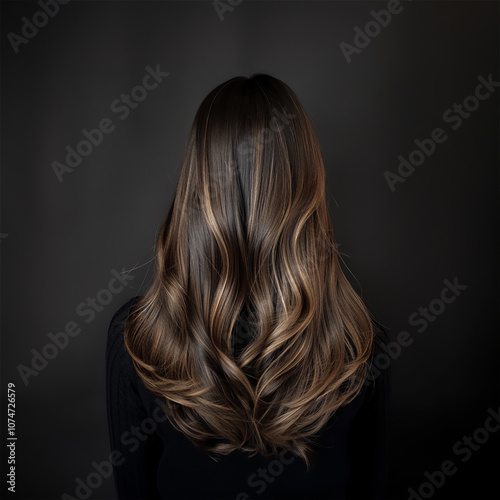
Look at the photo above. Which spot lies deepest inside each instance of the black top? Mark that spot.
(153, 460)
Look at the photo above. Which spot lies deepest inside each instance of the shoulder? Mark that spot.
(117, 323)
(120, 316)
(115, 346)
(380, 339)
(379, 366)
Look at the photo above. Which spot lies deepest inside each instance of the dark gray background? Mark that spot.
(64, 239)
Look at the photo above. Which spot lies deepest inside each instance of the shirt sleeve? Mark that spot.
(369, 434)
(136, 448)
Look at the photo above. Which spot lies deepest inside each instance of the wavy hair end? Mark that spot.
(249, 330)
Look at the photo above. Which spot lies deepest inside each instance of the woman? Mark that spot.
(243, 371)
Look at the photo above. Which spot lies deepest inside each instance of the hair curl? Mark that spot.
(250, 330)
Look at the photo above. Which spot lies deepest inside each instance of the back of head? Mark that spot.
(250, 330)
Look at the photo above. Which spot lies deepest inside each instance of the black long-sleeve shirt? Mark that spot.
(153, 460)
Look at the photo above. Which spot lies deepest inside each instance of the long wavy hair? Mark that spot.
(250, 330)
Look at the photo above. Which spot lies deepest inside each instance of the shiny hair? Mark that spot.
(250, 330)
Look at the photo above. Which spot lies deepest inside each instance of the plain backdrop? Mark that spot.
(63, 239)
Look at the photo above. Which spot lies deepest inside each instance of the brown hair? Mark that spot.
(250, 330)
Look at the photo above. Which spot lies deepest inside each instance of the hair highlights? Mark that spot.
(250, 330)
